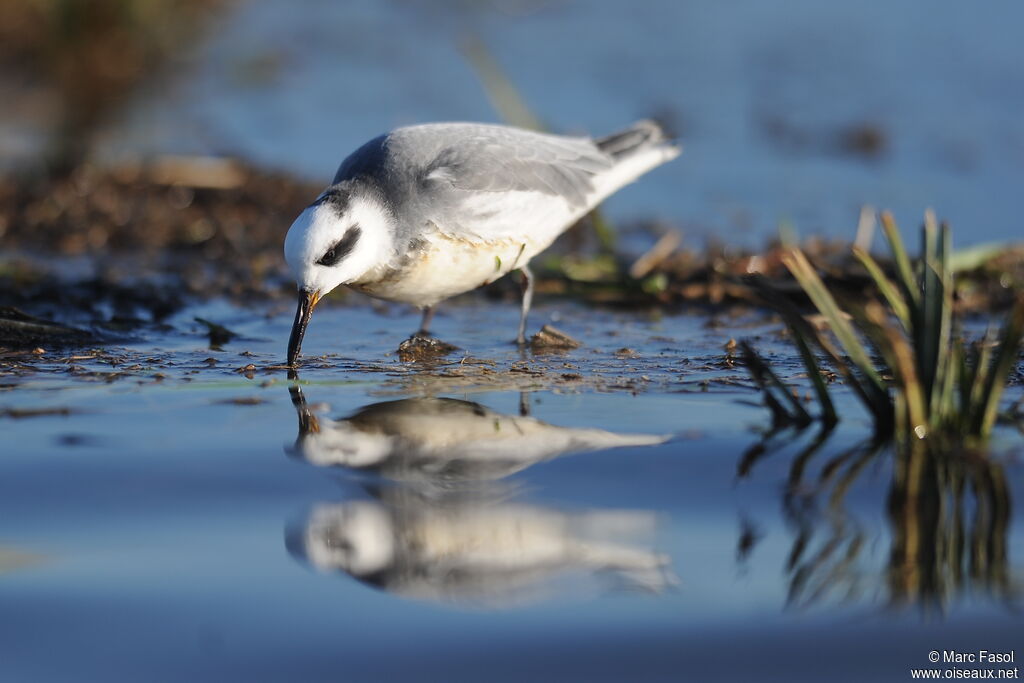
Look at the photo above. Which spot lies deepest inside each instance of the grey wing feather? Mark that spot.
(494, 159)
(436, 173)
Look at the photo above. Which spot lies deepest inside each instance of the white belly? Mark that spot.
(448, 267)
(511, 228)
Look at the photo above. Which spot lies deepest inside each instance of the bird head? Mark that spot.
(357, 537)
(334, 241)
(341, 444)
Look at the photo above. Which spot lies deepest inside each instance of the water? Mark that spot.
(761, 96)
(198, 526)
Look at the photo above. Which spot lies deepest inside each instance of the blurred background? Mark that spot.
(798, 112)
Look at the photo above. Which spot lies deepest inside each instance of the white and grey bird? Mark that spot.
(474, 553)
(443, 440)
(430, 211)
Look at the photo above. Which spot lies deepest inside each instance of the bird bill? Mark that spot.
(307, 302)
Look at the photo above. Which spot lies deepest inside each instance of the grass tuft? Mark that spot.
(930, 386)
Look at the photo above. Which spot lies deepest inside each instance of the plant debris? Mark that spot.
(418, 349)
(552, 339)
(931, 383)
(96, 212)
(219, 335)
(242, 401)
(18, 330)
(22, 413)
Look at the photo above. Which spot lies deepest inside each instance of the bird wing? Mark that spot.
(499, 159)
(492, 182)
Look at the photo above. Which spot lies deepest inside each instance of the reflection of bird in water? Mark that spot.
(442, 439)
(478, 553)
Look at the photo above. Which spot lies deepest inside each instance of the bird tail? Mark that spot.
(634, 151)
(642, 135)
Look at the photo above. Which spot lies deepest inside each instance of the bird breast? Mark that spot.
(445, 266)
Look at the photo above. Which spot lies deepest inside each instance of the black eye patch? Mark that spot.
(341, 248)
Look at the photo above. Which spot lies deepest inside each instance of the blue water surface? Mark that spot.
(164, 530)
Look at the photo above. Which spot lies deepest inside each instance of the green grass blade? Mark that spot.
(899, 255)
(976, 256)
(604, 231)
(511, 106)
(885, 286)
(1006, 358)
(948, 409)
(828, 410)
(968, 358)
(944, 357)
(805, 274)
(503, 95)
(900, 358)
(764, 376)
(926, 329)
(900, 418)
(982, 368)
(796, 321)
(803, 334)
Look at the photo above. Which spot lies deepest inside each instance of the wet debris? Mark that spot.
(219, 335)
(666, 245)
(419, 349)
(552, 339)
(23, 413)
(241, 401)
(191, 222)
(75, 440)
(524, 368)
(18, 330)
(248, 371)
(118, 293)
(865, 140)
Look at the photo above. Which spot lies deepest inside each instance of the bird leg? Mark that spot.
(526, 284)
(524, 404)
(428, 316)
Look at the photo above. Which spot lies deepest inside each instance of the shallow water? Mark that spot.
(214, 523)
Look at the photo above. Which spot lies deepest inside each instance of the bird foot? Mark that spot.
(422, 347)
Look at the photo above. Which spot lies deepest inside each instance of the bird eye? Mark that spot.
(341, 248)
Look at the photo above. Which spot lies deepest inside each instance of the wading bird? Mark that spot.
(430, 211)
